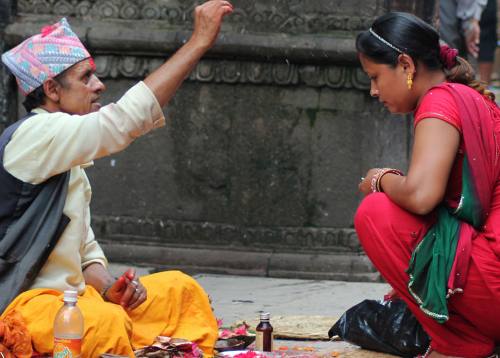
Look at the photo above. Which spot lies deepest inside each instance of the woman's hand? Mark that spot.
(127, 291)
(366, 182)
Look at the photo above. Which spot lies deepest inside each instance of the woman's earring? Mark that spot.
(409, 81)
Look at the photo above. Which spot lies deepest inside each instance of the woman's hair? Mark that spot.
(398, 32)
(37, 97)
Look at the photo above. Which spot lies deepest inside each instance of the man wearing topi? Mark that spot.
(46, 242)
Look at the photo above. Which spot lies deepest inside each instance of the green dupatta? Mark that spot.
(439, 264)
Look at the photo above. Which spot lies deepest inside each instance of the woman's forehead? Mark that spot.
(367, 62)
(370, 65)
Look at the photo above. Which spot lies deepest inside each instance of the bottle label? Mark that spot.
(259, 341)
(261, 345)
(67, 348)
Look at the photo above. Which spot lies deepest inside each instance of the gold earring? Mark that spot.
(409, 81)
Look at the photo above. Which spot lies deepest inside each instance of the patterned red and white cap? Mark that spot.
(44, 55)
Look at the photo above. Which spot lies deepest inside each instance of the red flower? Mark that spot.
(241, 330)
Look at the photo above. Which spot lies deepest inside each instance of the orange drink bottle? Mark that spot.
(68, 328)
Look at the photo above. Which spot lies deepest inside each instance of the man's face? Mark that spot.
(80, 89)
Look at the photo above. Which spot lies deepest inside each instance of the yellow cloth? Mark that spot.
(177, 306)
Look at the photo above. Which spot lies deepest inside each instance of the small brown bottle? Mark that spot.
(264, 334)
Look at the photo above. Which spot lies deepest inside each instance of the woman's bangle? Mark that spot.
(377, 178)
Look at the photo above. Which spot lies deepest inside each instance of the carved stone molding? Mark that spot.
(158, 231)
(231, 72)
(280, 16)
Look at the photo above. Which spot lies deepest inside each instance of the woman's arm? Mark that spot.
(435, 148)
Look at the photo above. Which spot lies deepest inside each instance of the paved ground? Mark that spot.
(238, 298)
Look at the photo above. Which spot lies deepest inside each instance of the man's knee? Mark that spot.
(108, 329)
(108, 316)
(173, 278)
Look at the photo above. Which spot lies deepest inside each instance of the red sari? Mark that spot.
(389, 234)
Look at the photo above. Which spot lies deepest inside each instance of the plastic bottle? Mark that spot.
(264, 334)
(68, 328)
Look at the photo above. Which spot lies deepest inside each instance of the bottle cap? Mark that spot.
(70, 296)
(265, 316)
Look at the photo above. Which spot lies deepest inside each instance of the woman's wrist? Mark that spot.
(376, 181)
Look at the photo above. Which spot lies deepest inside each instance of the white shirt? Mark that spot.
(48, 144)
(467, 9)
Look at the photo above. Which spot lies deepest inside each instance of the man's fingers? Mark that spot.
(141, 297)
(127, 295)
(221, 12)
(133, 298)
(473, 50)
(120, 284)
(134, 295)
(130, 274)
(226, 10)
(213, 7)
(138, 296)
(227, 4)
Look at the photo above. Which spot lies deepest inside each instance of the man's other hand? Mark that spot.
(127, 291)
(472, 37)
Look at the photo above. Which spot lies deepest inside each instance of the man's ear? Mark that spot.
(51, 89)
(407, 63)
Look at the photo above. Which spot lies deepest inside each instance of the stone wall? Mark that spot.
(7, 95)
(257, 169)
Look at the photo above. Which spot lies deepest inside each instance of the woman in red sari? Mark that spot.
(434, 232)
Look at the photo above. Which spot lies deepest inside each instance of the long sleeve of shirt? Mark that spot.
(47, 144)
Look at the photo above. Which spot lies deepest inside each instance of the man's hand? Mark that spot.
(208, 20)
(164, 81)
(472, 37)
(127, 291)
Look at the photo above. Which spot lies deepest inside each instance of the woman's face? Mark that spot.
(389, 85)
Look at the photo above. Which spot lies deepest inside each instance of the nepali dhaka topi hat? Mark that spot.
(44, 55)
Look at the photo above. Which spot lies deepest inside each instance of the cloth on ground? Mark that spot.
(298, 327)
(15, 340)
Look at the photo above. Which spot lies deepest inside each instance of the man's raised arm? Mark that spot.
(165, 80)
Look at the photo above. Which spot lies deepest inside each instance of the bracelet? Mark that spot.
(105, 290)
(377, 178)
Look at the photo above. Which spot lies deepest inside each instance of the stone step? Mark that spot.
(234, 261)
